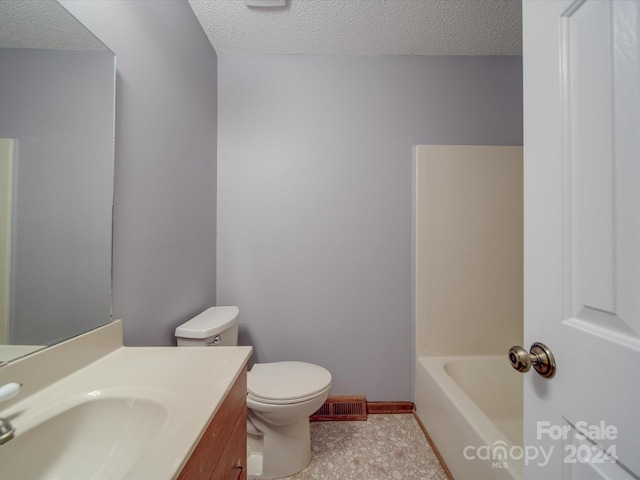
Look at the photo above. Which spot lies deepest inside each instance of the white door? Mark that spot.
(582, 236)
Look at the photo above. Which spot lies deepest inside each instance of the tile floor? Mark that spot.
(385, 447)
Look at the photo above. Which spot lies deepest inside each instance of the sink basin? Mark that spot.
(100, 437)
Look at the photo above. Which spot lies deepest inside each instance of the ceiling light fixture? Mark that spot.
(265, 3)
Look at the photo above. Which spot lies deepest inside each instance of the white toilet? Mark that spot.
(280, 398)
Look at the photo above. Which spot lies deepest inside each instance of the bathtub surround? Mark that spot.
(314, 198)
(468, 250)
(468, 304)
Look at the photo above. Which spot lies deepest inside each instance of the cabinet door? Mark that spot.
(224, 442)
(232, 465)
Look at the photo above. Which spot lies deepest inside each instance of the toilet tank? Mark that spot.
(216, 326)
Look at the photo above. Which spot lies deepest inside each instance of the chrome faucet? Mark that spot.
(6, 431)
(7, 392)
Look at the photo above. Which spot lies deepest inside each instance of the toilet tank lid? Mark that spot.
(211, 322)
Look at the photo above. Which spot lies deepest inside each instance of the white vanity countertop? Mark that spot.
(182, 386)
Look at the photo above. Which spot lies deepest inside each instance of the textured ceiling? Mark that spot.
(364, 27)
(42, 24)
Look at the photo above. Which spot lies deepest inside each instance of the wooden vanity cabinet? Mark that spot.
(221, 453)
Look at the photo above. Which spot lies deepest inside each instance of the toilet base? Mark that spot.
(254, 464)
(279, 450)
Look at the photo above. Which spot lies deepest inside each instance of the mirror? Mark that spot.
(57, 101)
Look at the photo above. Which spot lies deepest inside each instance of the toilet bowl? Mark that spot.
(280, 398)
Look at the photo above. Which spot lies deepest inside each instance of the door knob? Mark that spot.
(539, 357)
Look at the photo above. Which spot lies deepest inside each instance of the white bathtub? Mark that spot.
(471, 406)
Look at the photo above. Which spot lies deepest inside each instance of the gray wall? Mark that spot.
(315, 198)
(164, 242)
(58, 105)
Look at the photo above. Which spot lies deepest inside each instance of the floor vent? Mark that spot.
(346, 407)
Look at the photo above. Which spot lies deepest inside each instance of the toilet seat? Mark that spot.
(282, 383)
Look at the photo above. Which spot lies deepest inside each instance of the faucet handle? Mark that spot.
(7, 432)
(8, 391)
